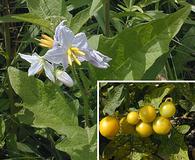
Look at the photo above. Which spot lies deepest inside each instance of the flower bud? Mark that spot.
(64, 78)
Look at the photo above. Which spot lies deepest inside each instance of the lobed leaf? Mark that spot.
(141, 51)
(46, 105)
(81, 145)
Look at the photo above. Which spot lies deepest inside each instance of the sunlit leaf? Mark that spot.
(79, 20)
(134, 51)
(183, 129)
(55, 11)
(81, 145)
(48, 106)
(114, 100)
(27, 17)
(95, 6)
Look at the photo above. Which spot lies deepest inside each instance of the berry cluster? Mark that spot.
(146, 121)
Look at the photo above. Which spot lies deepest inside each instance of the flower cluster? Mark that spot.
(64, 50)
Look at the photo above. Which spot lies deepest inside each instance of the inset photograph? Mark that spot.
(146, 121)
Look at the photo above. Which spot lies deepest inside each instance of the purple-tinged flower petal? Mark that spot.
(49, 70)
(30, 58)
(35, 68)
(80, 41)
(55, 55)
(98, 59)
(63, 35)
(65, 62)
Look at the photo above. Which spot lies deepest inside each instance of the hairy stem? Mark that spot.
(107, 16)
(84, 96)
(7, 39)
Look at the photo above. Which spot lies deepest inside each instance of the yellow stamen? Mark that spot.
(69, 57)
(76, 59)
(77, 51)
(46, 41)
(74, 49)
(47, 37)
(80, 53)
(73, 52)
(44, 45)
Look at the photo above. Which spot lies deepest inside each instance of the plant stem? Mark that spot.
(107, 16)
(169, 71)
(157, 6)
(173, 66)
(84, 96)
(10, 95)
(55, 152)
(9, 58)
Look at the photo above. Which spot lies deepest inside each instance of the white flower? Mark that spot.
(68, 47)
(38, 63)
(64, 78)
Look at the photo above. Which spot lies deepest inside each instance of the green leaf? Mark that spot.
(11, 145)
(95, 6)
(2, 131)
(156, 95)
(185, 104)
(2, 127)
(187, 90)
(46, 103)
(129, 147)
(100, 19)
(136, 156)
(18, 150)
(86, 81)
(79, 20)
(94, 41)
(74, 4)
(183, 129)
(114, 100)
(182, 154)
(173, 147)
(156, 67)
(192, 109)
(45, 106)
(55, 11)
(144, 3)
(45, 8)
(27, 17)
(183, 53)
(24, 148)
(135, 50)
(2, 52)
(81, 145)
(4, 104)
(47, 14)
(142, 16)
(117, 24)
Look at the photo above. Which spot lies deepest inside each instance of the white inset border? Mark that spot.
(125, 81)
